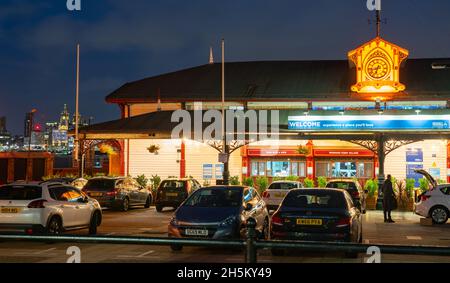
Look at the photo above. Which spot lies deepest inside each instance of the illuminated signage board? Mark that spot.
(369, 123)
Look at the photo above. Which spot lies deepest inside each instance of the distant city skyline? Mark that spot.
(123, 41)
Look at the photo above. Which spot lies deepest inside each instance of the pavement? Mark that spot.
(149, 223)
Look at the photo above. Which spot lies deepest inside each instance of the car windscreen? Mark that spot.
(20, 193)
(100, 184)
(342, 185)
(172, 184)
(315, 199)
(283, 186)
(216, 197)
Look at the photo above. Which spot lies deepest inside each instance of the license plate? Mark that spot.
(96, 194)
(196, 232)
(172, 194)
(279, 195)
(10, 210)
(309, 222)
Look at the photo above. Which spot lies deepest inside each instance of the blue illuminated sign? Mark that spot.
(356, 123)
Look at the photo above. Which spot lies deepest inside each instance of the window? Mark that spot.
(59, 193)
(446, 191)
(20, 193)
(344, 169)
(278, 168)
(315, 199)
(216, 197)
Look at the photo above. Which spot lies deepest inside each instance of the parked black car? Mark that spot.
(317, 215)
(172, 192)
(118, 193)
(353, 187)
(219, 212)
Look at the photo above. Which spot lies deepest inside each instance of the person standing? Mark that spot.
(388, 199)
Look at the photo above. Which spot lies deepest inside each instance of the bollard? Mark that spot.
(250, 255)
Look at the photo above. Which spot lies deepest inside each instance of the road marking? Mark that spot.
(136, 256)
(110, 234)
(415, 238)
(36, 253)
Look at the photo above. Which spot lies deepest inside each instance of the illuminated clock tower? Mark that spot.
(377, 65)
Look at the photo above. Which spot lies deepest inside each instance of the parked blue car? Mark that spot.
(219, 212)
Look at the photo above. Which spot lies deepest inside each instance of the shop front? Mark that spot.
(328, 162)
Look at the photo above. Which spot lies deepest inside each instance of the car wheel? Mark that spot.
(176, 248)
(148, 202)
(94, 223)
(278, 252)
(125, 204)
(439, 215)
(54, 226)
(159, 208)
(265, 232)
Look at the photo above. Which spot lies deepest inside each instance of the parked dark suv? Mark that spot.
(172, 192)
(118, 193)
(353, 187)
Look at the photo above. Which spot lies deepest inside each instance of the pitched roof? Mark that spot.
(278, 80)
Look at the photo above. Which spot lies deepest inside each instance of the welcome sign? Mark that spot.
(368, 123)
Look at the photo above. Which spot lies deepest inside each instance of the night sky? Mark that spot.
(126, 40)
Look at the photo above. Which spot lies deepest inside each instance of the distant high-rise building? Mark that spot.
(2, 124)
(64, 119)
(27, 125)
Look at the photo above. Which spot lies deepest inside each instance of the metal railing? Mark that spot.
(250, 244)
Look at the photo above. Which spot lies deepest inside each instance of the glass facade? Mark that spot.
(345, 169)
(278, 168)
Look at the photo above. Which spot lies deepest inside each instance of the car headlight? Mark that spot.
(228, 221)
(173, 221)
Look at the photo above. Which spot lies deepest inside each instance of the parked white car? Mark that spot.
(47, 207)
(434, 203)
(276, 192)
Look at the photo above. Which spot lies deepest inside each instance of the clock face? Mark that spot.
(378, 68)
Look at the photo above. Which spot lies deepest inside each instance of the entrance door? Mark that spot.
(20, 169)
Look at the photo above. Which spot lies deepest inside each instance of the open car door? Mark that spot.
(427, 176)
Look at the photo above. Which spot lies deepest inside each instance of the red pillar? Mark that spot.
(183, 160)
(448, 161)
(310, 172)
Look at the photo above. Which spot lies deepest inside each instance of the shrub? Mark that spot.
(206, 183)
(262, 183)
(409, 187)
(234, 180)
(49, 177)
(248, 182)
(292, 178)
(321, 182)
(372, 187)
(308, 183)
(142, 180)
(155, 180)
(423, 185)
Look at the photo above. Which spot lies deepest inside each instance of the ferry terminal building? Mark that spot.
(338, 118)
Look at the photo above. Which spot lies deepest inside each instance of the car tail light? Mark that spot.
(355, 194)
(37, 203)
(277, 219)
(424, 197)
(343, 222)
(112, 193)
(266, 194)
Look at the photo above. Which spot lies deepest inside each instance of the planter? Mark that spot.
(371, 203)
(406, 205)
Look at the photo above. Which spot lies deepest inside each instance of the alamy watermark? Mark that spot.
(239, 125)
(73, 5)
(74, 254)
(373, 5)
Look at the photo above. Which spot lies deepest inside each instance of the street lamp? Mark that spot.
(30, 132)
